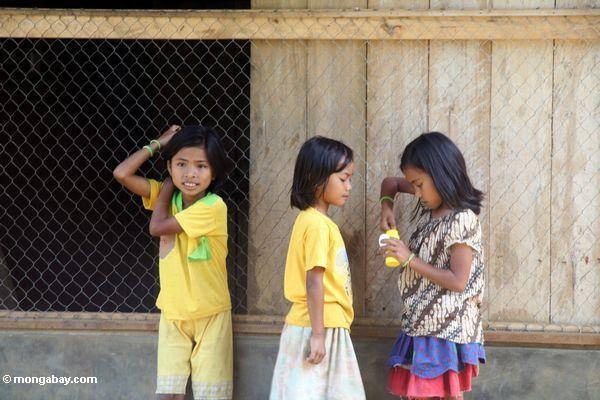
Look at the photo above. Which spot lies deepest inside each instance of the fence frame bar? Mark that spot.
(270, 325)
(359, 24)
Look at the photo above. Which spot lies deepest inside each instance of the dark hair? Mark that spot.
(207, 138)
(319, 157)
(441, 159)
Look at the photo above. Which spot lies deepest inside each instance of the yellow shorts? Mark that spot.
(201, 346)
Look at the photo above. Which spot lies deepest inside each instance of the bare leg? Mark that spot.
(459, 397)
(423, 398)
(171, 397)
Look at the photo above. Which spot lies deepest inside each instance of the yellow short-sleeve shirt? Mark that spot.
(191, 288)
(316, 242)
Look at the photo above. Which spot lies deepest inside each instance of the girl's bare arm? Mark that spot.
(125, 173)
(390, 186)
(315, 299)
(161, 222)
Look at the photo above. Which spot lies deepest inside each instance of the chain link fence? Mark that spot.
(82, 91)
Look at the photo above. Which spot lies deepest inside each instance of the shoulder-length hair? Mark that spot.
(206, 138)
(319, 157)
(441, 159)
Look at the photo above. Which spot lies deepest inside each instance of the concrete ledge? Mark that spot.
(125, 365)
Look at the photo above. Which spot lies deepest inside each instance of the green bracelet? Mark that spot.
(149, 150)
(407, 262)
(157, 143)
(386, 198)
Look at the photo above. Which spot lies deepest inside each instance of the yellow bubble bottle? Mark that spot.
(391, 262)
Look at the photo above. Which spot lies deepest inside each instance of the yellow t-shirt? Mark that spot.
(191, 289)
(316, 242)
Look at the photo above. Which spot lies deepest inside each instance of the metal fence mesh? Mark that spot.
(73, 240)
(526, 115)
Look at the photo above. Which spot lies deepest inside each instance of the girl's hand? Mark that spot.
(386, 220)
(317, 348)
(166, 136)
(397, 249)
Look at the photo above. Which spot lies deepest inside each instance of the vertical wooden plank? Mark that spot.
(523, 3)
(520, 144)
(459, 102)
(336, 108)
(278, 128)
(575, 248)
(577, 3)
(460, 4)
(391, 4)
(521, 108)
(396, 113)
(576, 184)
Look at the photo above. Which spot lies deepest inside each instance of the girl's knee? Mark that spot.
(170, 397)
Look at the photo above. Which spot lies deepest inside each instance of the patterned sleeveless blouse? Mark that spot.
(429, 309)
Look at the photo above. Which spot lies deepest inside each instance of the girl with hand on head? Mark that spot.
(194, 334)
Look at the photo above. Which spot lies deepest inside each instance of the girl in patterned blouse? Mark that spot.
(441, 284)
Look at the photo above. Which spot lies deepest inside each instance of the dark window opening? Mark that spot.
(71, 238)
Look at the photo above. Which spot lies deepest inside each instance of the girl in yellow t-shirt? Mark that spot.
(316, 358)
(194, 334)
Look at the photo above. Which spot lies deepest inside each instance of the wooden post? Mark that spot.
(575, 248)
(277, 129)
(459, 103)
(396, 114)
(521, 113)
(336, 104)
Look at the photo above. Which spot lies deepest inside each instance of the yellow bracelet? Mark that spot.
(407, 262)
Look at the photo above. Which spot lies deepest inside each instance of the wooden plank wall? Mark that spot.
(524, 113)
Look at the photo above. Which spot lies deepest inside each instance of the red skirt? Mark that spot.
(450, 384)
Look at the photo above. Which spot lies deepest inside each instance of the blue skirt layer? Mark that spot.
(429, 357)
